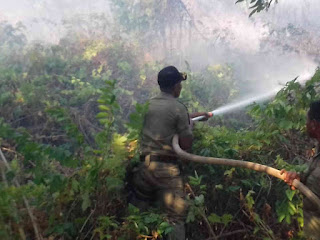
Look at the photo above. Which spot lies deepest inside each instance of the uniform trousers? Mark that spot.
(158, 181)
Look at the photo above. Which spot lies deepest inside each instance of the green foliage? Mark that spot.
(140, 222)
(147, 16)
(106, 225)
(107, 106)
(209, 88)
(260, 226)
(289, 208)
(225, 219)
(276, 125)
(93, 49)
(12, 39)
(135, 124)
(288, 110)
(196, 182)
(68, 131)
(60, 115)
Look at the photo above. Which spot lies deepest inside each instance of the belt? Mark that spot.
(160, 158)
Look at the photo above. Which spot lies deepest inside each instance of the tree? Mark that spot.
(151, 21)
(258, 5)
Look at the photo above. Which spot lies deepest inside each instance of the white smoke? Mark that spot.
(44, 19)
(230, 35)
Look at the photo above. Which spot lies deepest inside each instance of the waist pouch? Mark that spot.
(159, 158)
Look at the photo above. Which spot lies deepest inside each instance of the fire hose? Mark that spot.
(243, 164)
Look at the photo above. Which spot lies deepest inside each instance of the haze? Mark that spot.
(265, 50)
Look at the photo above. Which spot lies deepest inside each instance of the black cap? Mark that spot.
(169, 76)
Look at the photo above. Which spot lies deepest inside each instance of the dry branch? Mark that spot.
(214, 237)
(25, 200)
(223, 236)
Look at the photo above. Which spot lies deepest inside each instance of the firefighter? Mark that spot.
(158, 180)
(311, 178)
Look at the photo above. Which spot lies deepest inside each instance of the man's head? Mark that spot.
(313, 120)
(169, 80)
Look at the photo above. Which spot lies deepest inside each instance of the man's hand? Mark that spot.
(289, 177)
(206, 115)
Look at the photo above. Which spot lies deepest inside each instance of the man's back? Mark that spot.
(165, 117)
(158, 178)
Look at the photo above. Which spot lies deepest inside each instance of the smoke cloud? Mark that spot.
(265, 50)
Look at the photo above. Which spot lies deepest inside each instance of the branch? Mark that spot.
(25, 200)
(192, 19)
(144, 236)
(203, 215)
(85, 222)
(3, 174)
(223, 236)
(4, 160)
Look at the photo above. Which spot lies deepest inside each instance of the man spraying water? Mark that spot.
(158, 178)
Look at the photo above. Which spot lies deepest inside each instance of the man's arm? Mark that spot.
(185, 143)
(184, 128)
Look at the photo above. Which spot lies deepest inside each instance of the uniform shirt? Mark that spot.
(166, 117)
(310, 212)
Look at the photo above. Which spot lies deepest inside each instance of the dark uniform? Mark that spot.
(311, 213)
(159, 179)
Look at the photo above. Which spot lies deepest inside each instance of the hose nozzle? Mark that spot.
(210, 114)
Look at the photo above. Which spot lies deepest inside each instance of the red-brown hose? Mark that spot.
(243, 164)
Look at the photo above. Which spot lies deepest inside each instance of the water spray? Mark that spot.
(257, 99)
(239, 105)
(244, 164)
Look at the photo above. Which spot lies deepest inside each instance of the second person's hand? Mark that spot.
(289, 177)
